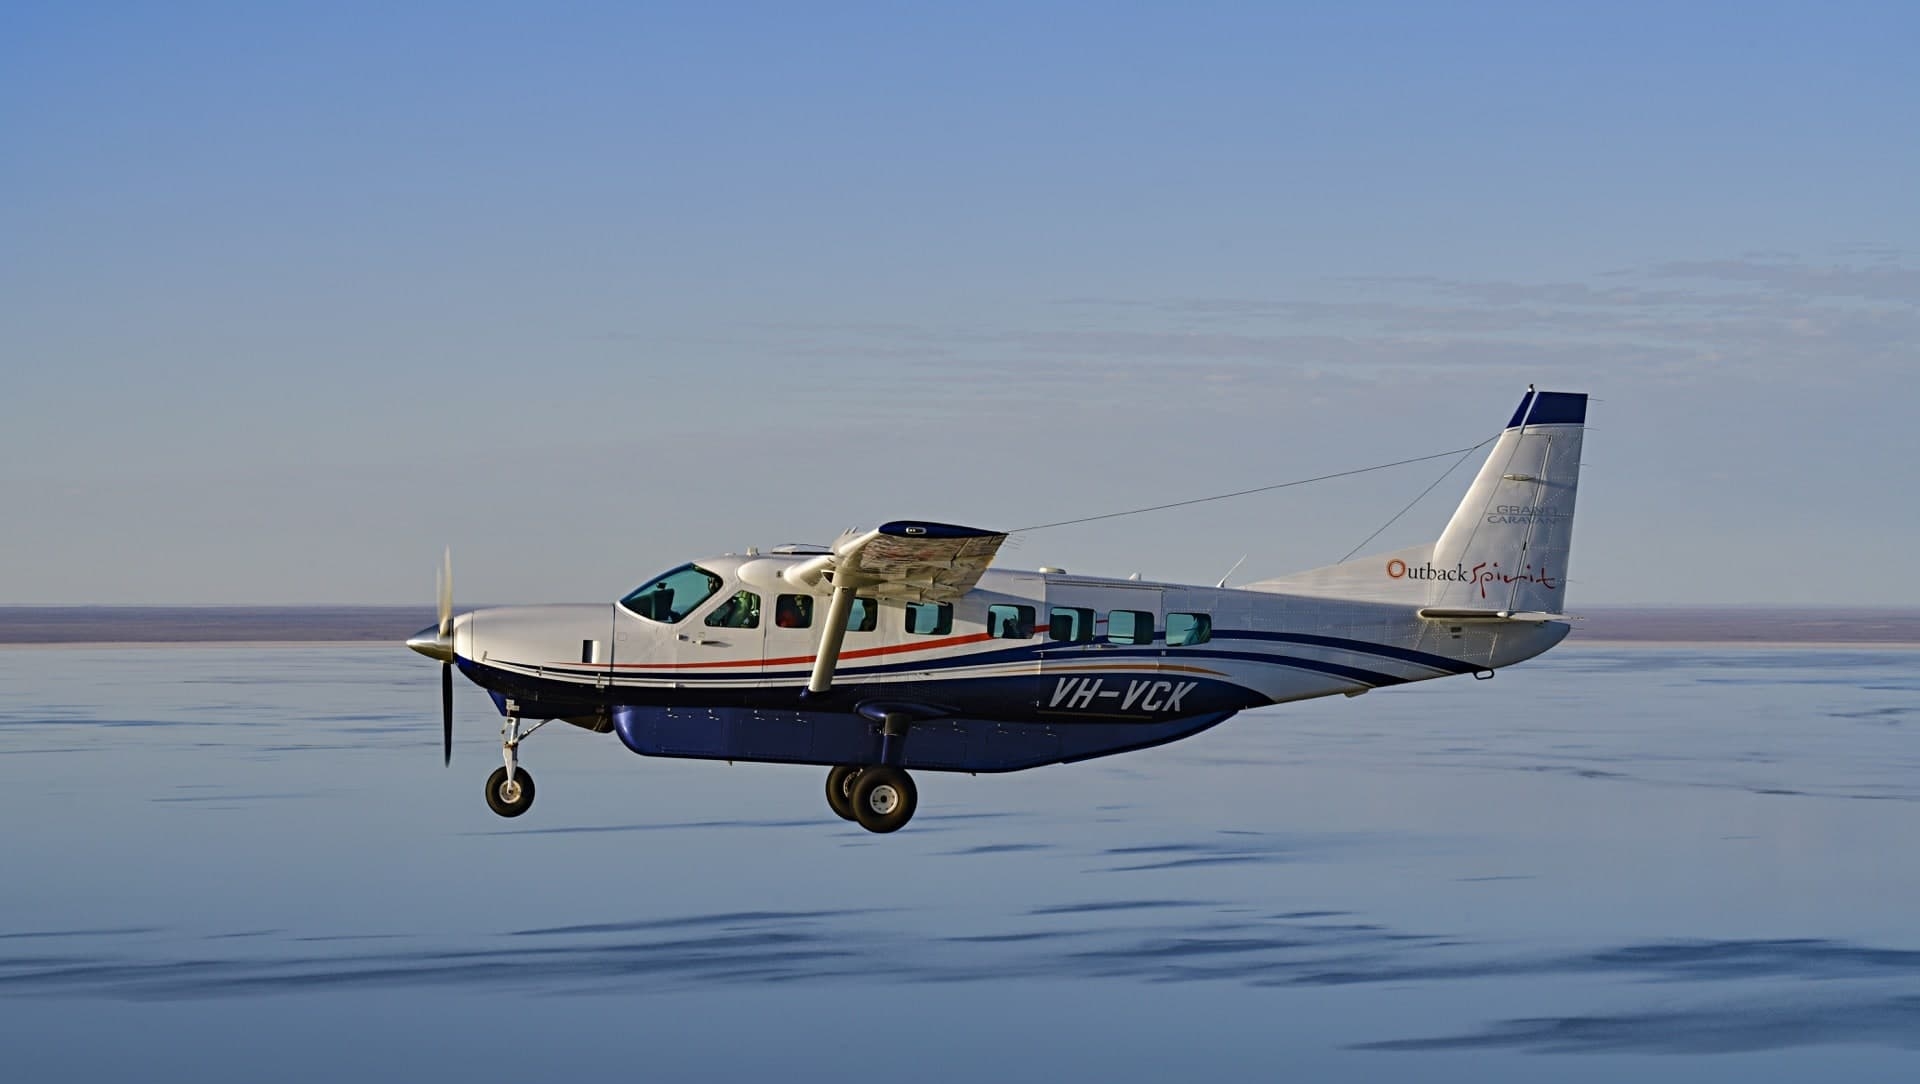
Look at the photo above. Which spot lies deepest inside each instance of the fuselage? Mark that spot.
(901, 648)
(1020, 648)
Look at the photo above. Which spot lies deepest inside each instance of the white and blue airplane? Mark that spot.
(899, 649)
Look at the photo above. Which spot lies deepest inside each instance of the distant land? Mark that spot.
(209, 624)
(393, 624)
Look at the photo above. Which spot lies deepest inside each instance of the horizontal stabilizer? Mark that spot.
(1489, 615)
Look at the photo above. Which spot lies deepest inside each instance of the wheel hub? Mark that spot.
(883, 799)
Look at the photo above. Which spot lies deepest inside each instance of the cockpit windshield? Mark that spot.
(672, 595)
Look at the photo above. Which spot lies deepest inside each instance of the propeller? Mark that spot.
(444, 584)
(436, 642)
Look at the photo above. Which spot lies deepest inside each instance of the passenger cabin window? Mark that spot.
(1130, 627)
(865, 616)
(1010, 622)
(742, 611)
(1070, 624)
(793, 611)
(672, 595)
(929, 618)
(1185, 630)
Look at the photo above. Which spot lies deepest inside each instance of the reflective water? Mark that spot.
(1690, 864)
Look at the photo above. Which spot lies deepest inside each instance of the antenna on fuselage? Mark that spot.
(1231, 571)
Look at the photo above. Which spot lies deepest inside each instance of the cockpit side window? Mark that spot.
(742, 611)
(672, 595)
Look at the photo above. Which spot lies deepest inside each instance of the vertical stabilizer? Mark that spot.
(1506, 547)
(1505, 550)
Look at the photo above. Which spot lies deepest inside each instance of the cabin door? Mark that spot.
(724, 638)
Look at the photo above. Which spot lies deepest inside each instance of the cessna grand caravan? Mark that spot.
(901, 649)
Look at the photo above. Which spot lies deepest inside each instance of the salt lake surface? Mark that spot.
(238, 863)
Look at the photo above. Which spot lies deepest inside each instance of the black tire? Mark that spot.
(499, 802)
(840, 791)
(884, 799)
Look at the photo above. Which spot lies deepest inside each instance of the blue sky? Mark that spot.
(293, 295)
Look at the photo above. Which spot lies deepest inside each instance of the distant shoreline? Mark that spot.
(125, 626)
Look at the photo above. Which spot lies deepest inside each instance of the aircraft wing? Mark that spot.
(906, 559)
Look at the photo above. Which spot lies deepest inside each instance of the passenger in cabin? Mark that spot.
(792, 611)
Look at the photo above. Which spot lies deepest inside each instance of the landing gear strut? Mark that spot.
(877, 798)
(510, 788)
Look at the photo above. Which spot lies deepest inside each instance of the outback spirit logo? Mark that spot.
(1479, 575)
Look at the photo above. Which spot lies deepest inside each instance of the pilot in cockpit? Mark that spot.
(742, 611)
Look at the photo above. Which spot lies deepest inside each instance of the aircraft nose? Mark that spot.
(430, 643)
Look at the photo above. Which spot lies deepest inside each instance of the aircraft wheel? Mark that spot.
(509, 799)
(884, 799)
(840, 791)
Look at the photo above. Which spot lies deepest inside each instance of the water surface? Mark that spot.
(225, 863)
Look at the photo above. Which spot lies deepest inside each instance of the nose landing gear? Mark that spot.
(510, 788)
(509, 796)
(876, 797)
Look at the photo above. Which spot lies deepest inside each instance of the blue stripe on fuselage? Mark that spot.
(1034, 652)
(1402, 654)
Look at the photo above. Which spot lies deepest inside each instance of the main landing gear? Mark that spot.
(510, 788)
(876, 797)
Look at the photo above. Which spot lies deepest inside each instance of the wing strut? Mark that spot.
(831, 636)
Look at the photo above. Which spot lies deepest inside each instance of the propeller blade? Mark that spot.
(445, 583)
(446, 713)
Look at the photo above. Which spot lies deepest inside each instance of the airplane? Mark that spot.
(899, 649)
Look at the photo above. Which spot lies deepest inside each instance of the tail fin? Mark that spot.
(1507, 545)
(1506, 548)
